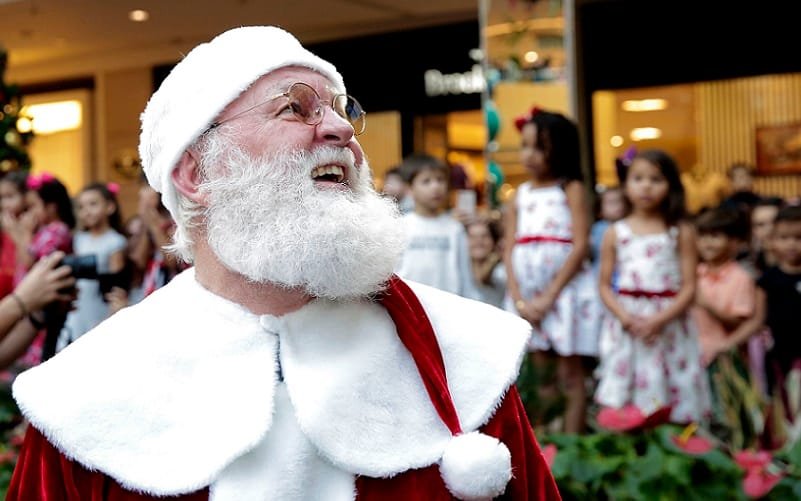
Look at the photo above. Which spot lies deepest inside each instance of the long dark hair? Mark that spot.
(558, 138)
(52, 191)
(114, 219)
(672, 208)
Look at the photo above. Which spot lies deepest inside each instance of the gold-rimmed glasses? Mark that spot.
(308, 107)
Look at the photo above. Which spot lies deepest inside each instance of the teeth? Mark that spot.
(334, 170)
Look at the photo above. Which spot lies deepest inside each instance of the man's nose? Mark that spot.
(333, 128)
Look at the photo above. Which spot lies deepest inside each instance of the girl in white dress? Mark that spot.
(550, 283)
(101, 236)
(650, 355)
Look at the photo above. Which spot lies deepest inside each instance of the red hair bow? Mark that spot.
(524, 119)
(36, 181)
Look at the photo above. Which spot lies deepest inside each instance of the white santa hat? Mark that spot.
(200, 86)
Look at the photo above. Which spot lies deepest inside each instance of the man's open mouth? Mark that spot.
(329, 173)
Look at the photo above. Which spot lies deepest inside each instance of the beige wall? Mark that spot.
(67, 154)
(121, 97)
(707, 126)
(382, 142)
(729, 113)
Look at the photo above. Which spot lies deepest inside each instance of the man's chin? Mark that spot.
(363, 283)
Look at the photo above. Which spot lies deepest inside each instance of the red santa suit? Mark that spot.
(189, 395)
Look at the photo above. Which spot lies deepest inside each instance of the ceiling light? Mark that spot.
(139, 15)
(531, 56)
(644, 104)
(643, 133)
(47, 118)
(616, 141)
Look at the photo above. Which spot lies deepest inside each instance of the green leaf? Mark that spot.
(717, 460)
(562, 463)
(649, 466)
(794, 454)
(678, 469)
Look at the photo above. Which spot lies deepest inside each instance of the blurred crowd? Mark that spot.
(67, 262)
(634, 301)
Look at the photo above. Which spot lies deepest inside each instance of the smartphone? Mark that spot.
(466, 201)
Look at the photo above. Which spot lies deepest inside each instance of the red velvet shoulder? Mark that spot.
(44, 474)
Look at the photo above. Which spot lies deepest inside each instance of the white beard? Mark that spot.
(267, 221)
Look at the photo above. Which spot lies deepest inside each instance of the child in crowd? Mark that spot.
(762, 216)
(396, 187)
(741, 181)
(611, 208)
(483, 238)
(650, 355)
(46, 225)
(725, 300)
(436, 252)
(12, 205)
(148, 233)
(550, 282)
(100, 235)
(782, 287)
(727, 311)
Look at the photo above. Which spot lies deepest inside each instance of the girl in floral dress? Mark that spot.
(550, 283)
(650, 355)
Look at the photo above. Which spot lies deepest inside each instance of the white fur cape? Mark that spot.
(165, 394)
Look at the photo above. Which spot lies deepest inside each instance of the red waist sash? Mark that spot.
(648, 294)
(527, 239)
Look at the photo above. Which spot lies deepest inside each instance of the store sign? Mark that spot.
(471, 82)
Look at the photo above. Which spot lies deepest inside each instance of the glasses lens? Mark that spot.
(305, 104)
(349, 108)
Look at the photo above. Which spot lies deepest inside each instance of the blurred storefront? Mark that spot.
(528, 63)
(713, 84)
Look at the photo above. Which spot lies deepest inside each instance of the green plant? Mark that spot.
(643, 465)
(11, 429)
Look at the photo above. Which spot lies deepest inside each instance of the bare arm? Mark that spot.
(116, 261)
(39, 287)
(509, 235)
(729, 321)
(607, 267)
(752, 324)
(16, 342)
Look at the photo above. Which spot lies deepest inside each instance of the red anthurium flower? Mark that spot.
(749, 460)
(630, 418)
(625, 418)
(659, 416)
(693, 445)
(758, 483)
(549, 453)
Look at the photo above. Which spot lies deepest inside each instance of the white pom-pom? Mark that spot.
(475, 466)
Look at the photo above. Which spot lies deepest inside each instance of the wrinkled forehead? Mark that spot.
(280, 80)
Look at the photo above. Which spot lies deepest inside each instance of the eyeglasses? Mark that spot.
(307, 106)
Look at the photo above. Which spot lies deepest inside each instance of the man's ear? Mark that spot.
(186, 177)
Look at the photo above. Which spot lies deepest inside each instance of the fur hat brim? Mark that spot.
(209, 78)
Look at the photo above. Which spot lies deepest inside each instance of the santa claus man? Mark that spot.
(288, 363)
